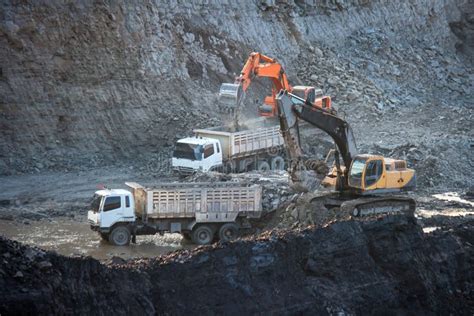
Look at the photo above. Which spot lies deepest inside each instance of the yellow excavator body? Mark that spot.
(373, 174)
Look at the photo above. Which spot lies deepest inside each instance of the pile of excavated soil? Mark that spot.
(350, 267)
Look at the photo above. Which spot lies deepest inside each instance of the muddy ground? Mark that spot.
(52, 213)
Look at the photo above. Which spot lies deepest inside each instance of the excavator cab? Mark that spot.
(307, 93)
(365, 171)
(312, 96)
(372, 173)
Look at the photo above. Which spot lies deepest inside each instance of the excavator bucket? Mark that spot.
(230, 95)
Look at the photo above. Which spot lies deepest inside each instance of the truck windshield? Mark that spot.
(188, 151)
(355, 176)
(95, 204)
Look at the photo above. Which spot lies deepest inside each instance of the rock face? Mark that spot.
(352, 267)
(86, 84)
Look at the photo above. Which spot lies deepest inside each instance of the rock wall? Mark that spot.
(90, 83)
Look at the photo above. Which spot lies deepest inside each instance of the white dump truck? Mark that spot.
(220, 149)
(201, 212)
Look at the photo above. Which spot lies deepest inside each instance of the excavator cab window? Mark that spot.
(311, 96)
(355, 174)
(373, 172)
(299, 93)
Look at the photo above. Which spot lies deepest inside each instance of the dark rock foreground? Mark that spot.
(386, 266)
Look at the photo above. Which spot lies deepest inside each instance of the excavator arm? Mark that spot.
(257, 65)
(291, 108)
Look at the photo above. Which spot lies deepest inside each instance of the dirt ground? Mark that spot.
(49, 210)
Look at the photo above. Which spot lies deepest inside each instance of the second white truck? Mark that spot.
(219, 149)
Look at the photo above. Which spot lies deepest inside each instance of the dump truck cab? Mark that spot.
(196, 153)
(110, 207)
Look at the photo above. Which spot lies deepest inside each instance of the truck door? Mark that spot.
(210, 156)
(112, 211)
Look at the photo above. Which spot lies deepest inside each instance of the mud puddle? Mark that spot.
(74, 238)
(453, 197)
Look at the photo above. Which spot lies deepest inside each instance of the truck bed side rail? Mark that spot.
(206, 202)
(246, 142)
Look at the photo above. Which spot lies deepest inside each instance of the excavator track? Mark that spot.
(376, 206)
(330, 207)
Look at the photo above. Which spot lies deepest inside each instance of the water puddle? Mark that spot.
(428, 230)
(446, 212)
(73, 238)
(453, 197)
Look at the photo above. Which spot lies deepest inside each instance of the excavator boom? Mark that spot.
(263, 66)
(231, 95)
(292, 107)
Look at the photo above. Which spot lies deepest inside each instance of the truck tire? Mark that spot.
(263, 166)
(229, 167)
(228, 232)
(278, 163)
(120, 236)
(202, 235)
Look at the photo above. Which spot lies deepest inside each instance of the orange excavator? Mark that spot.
(258, 65)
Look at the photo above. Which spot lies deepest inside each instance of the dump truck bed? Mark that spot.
(244, 142)
(206, 202)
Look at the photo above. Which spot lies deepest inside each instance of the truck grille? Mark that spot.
(184, 169)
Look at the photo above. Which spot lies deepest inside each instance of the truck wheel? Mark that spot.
(104, 236)
(120, 236)
(278, 163)
(229, 167)
(202, 235)
(228, 232)
(263, 166)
